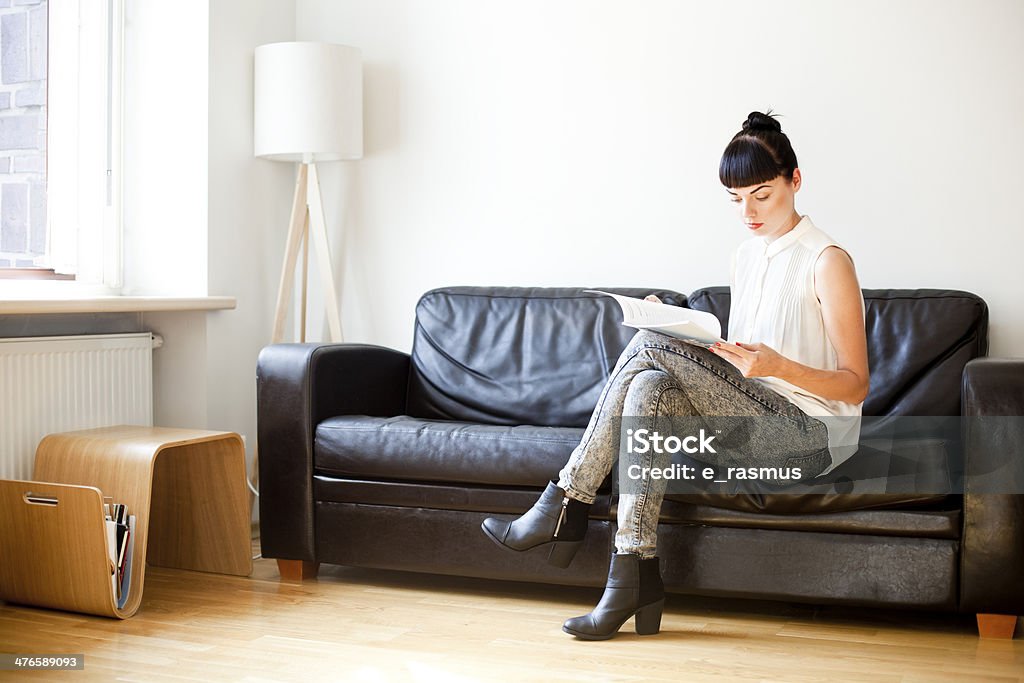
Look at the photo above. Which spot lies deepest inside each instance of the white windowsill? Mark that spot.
(115, 304)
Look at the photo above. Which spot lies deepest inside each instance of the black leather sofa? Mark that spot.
(373, 457)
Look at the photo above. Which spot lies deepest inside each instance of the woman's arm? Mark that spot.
(835, 281)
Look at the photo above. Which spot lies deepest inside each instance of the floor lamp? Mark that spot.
(308, 109)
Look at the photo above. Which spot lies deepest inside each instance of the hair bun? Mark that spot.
(758, 121)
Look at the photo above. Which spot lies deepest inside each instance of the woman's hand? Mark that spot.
(753, 360)
(651, 297)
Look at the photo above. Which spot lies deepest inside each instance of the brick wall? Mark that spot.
(22, 131)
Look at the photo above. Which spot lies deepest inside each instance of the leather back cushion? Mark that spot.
(515, 355)
(919, 341)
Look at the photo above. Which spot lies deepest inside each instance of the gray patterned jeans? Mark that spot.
(658, 376)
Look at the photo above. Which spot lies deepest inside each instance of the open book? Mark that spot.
(682, 323)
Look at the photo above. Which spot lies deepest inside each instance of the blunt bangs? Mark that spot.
(747, 161)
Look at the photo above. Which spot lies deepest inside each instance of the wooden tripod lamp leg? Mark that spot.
(296, 228)
(304, 294)
(307, 224)
(318, 233)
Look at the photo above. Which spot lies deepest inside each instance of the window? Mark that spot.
(22, 136)
(60, 202)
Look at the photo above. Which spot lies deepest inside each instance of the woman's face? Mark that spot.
(767, 208)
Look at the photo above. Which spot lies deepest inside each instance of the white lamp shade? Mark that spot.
(308, 102)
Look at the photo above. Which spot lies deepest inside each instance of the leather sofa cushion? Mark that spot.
(516, 355)
(405, 448)
(919, 341)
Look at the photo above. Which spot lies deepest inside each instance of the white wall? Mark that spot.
(165, 148)
(165, 193)
(249, 206)
(576, 143)
(202, 215)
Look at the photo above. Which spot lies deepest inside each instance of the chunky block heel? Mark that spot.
(562, 553)
(648, 619)
(634, 588)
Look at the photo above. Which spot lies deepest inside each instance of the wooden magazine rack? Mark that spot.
(186, 489)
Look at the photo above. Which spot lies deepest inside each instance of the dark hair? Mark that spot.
(758, 153)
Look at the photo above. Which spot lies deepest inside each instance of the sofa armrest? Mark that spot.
(298, 386)
(992, 557)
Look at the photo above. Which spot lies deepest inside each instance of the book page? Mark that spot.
(121, 590)
(638, 311)
(111, 528)
(675, 321)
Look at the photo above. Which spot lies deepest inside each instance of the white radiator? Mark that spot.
(59, 384)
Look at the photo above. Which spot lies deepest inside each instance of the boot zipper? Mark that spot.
(561, 515)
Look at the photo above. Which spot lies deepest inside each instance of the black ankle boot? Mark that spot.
(554, 519)
(634, 587)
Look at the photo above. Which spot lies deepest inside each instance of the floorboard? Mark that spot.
(365, 625)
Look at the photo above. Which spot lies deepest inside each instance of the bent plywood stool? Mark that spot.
(186, 489)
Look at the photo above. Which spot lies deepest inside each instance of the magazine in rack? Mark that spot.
(120, 543)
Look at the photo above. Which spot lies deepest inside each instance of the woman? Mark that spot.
(796, 351)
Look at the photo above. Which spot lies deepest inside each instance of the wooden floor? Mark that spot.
(361, 625)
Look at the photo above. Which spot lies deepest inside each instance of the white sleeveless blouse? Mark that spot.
(774, 302)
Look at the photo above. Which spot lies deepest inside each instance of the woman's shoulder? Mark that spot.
(832, 257)
(835, 271)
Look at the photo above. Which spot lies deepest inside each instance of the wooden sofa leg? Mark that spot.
(996, 625)
(297, 570)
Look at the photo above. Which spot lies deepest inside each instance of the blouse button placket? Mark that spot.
(762, 266)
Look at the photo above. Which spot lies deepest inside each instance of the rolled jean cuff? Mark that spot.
(575, 493)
